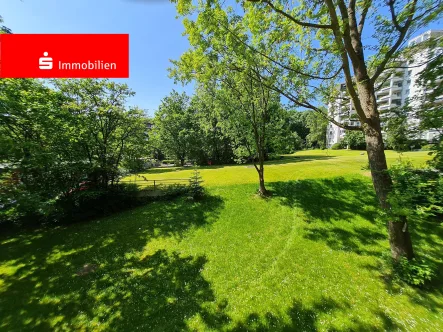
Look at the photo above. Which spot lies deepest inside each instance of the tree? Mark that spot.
(298, 124)
(429, 110)
(355, 140)
(216, 146)
(53, 138)
(102, 129)
(399, 134)
(240, 85)
(283, 135)
(309, 47)
(248, 108)
(175, 127)
(4, 29)
(317, 126)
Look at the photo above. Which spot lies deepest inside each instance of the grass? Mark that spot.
(312, 164)
(307, 259)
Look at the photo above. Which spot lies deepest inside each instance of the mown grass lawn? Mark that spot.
(307, 259)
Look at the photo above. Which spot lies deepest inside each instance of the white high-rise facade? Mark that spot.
(393, 89)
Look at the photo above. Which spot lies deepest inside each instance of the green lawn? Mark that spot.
(306, 259)
(302, 165)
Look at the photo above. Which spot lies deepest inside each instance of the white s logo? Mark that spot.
(45, 62)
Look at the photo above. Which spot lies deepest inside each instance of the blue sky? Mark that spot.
(155, 35)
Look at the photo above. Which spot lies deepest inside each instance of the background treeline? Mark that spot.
(202, 130)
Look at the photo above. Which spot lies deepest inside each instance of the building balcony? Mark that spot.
(383, 98)
(384, 89)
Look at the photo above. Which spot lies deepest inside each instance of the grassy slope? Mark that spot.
(307, 259)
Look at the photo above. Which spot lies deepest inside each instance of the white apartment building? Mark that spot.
(394, 88)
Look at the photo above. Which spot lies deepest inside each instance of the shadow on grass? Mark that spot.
(329, 199)
(296, 159)
(94, 275)
(282, 160)
(298, 317)
(159, 170)
(328, 202)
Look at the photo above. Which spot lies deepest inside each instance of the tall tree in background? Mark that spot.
(312, 46)
(216, 145)
(317, 126)
(175, 127)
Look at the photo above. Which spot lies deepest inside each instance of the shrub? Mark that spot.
(92, 203)
(336, 146)
(196, 190)
(427, 147)
(19, 205)
(355, 140)
(416, 272)
(417, 193)
(168, 161)
(175, 190)
(273, 156)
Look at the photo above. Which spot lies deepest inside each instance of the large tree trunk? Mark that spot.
(261, 178)
(399, 236)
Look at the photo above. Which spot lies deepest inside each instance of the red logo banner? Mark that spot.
(64, 56)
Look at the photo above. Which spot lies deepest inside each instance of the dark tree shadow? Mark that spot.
(329, 199)
(159, 170)
(356, 240)
(49, 287)
(306, 319)
(282, 160)
(296, 159)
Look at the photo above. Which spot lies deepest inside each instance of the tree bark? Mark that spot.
(399, 236)
(261, 178)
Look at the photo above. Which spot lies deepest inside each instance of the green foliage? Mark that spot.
(417, 193)
(81, 205)
(317, 125)
(428, 147)
(54, 138)
(355, 140)
(400, 134)
(337, 146)
(176, 131)
(196, 190)
(416, 272)
(215, 145)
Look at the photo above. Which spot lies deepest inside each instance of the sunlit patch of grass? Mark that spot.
(301, 165)
(306, 259)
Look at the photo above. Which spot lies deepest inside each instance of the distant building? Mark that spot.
(396, 87)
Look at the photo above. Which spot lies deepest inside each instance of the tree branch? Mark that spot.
(293, 19)
(397, 44)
